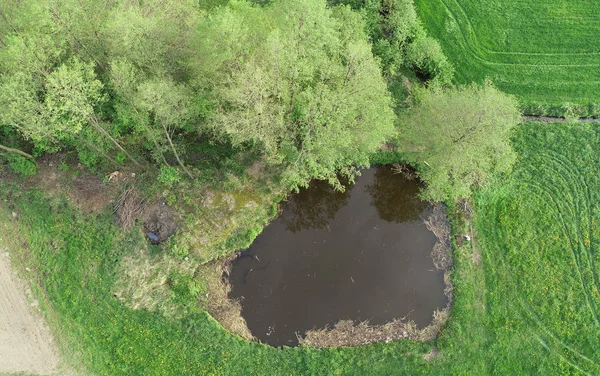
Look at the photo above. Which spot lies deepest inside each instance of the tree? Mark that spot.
(154, 35)
(80, 25)
(310, 95)
(458, 138)
(21, 109)
(428, 60)
(168, 107)
(72, 96)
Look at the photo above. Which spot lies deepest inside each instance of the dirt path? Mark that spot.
(26, 345)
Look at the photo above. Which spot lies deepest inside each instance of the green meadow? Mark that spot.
(546, 52)
(526, 290)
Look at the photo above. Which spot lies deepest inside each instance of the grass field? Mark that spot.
(526, 292)
(546, 52)
(541, 235)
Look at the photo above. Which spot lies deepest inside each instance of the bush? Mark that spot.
(22, 165)
(426, 57)
(401, 24)
(168, 175)
(87, 158)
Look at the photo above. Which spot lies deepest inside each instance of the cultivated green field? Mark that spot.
(547, 51)
(540, 238)
(526, 292)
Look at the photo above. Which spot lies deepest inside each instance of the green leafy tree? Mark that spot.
(308, 94)
(154, 35)
(426, 57)
(72, 98)
(458, 138)
(21, 109)
(168, 108)
(80, 25)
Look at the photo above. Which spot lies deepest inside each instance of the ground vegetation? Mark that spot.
(530, 253)
(545, 52)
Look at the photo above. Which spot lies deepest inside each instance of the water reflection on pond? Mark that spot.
(362, 254)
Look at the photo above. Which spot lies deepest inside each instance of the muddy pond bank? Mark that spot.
(359, 255)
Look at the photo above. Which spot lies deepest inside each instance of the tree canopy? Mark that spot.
(458, 138)
(295, 80)
(309, 86)
(307, 91)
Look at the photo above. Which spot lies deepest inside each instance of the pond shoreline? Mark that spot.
(227, 308)
(347, 333)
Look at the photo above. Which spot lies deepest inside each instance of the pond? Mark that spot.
(362, 254)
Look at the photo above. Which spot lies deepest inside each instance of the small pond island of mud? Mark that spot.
(363, 255)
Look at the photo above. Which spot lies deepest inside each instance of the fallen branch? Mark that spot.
(17, 151)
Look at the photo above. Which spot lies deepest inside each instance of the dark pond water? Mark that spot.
(363, 254)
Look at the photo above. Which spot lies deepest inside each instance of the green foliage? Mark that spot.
(21, 109)
(153, 35)
(426, 57)
(73, 93)
(185, 290)
(88, 158)
(181, 250)
(294, 81)
(120, 157)
(21, 165)
(522, 290)
(459, 138)
(305, 91)
(393, 26)
(408, 56)
(383, 157)
(539, 231)
(544, 52)
(168, 175)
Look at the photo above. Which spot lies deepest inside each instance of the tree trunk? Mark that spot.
(96, 125)
(162, 156)
(17, 151)
(176, 154)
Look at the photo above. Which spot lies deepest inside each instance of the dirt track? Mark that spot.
(26, 345)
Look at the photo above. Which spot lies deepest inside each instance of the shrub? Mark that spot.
(22, 165)
(168, 175)
(426, 57)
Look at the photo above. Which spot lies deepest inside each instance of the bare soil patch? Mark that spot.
(26, 345)
(159, 219)
(88, 192)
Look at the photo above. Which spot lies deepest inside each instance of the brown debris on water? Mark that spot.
(228, 312)
(439, 225)
(347, 333)
(405, 170)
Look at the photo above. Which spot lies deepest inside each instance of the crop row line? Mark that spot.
(473, 45)
(528, 311)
